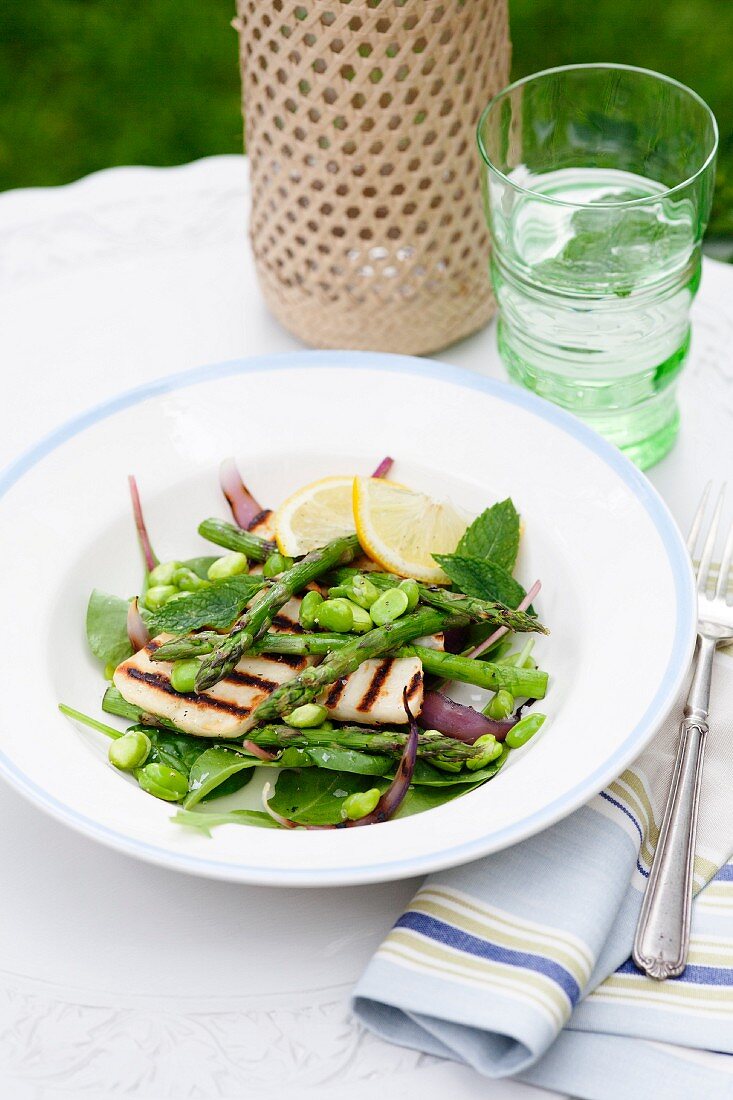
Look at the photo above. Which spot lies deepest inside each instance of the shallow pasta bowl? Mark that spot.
(617, 588)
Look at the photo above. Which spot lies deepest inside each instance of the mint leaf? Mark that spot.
(215, 607)
(483, 579)
(493, 535)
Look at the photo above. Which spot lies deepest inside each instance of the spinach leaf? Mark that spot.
(419, 799)
(177, 750)
(314, 796)
(219, 771)
(216, 772)
(106, 627)
(215, 607)
(493, 536)
(205, 822)
(483, 579)
(337, 759)
(425, 775)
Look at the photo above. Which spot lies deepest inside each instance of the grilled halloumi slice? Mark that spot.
(373, 694)
(225, 710)
(264, 525)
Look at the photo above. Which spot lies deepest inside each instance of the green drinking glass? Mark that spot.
(597, 182)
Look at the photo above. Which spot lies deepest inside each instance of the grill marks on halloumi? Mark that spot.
(373, 694)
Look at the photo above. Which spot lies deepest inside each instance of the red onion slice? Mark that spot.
(390, 801)
(258, 751)
(148, 553)
(137, 631)
(461, 722)
(384, 467)
(244, 507)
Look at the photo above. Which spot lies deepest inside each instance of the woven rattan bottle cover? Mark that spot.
(366, 225)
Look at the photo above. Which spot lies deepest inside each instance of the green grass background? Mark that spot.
(85, 84)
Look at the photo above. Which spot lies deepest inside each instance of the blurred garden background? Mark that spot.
(86, 84)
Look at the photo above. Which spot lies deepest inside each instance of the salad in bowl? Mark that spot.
(319, 644)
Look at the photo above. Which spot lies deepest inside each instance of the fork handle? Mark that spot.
(663, 932)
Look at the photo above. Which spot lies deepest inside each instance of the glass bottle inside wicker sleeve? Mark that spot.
(366, 222)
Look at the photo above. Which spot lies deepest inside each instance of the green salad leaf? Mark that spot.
(214, 607)
(314, 796)
(494, 536)
(483, 579)
(205, 822)
(216, 772)
(106, 626)
(336, 758)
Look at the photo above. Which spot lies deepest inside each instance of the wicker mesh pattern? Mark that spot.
(367, 226)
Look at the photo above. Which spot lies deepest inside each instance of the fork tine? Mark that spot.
(721, 590)
(707, 551)
(697, 521)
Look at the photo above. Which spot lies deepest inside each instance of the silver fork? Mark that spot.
(663, 932)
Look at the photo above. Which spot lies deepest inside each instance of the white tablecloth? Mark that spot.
(118, 978)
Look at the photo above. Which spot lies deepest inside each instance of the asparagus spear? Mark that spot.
(114, 703)
(342, 662)
(360, 738)
(477, 611)
(234, 538)
(302, 645)
(388, 742)
(528, 682)
(256, 619)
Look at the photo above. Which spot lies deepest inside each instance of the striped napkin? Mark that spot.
(519, 965)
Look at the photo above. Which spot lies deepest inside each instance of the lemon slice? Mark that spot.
(314, 515)
(402, 529)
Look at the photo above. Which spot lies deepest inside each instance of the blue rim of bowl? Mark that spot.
(633, 479)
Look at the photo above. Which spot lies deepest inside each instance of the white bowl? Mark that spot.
(617, 588)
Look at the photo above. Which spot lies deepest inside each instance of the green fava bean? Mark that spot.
(309, 609)
(183, 675)
(159, 595)
(413, 592)
(363, 591)
(309, 716)
(231, 565)
(335, 615)
(276, 563)
(130, 751)
(339, 591)
(493, 750)
(186, 580)
(163, 573)
(501, 706)
(359, 804)
(390, 605)
(520, 734)
(163, 782)
(362, 619)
